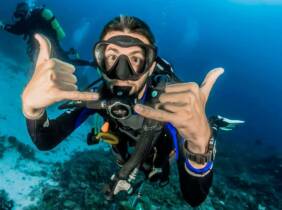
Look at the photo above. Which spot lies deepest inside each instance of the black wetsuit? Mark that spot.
(46, 134)
(35, 23)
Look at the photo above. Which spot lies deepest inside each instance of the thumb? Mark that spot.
(44, 48)
(209, 81)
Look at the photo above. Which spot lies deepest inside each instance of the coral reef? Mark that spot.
(24, 150)
(81, 180)
(5, 202)
(246, 181)
(11, 142)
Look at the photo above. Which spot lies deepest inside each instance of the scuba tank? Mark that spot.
(49, 16)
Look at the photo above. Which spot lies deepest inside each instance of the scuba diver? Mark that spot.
(40, 20)
(150, 114)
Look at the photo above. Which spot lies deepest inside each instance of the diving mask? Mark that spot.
(121, 66)
(21, 10)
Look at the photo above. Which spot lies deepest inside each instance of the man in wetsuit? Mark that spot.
(39, 20)
(164, 108)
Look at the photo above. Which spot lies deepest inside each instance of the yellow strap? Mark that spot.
(108, 138)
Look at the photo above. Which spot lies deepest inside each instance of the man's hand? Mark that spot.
(2, 25)
(183, 105)
(53, 81)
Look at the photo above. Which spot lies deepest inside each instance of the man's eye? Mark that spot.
(136, 60)
(110, 60)
(112, 57)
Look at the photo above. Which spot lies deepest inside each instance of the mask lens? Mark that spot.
(110, 60)
(99, 53)
(137, 61)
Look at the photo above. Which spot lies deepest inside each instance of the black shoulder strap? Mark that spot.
(163, 73)
(163, 65)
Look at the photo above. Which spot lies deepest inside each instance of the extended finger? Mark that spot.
(154, 114)
(78, 96)
(209, 81)
(181, 87)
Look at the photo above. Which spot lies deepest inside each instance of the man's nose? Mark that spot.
(123, 69)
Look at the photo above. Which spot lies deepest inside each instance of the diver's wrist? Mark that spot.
(196, 165)
(205, 155)
(199, 149)
(31, 113)
(198, 171)
(200, 144)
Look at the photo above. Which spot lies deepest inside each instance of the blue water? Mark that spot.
(242, 36)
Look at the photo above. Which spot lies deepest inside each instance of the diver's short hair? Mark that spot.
(130, 23)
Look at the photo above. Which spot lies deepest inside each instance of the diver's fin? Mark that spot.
(226, 124)
(225, 129)
(229, 121)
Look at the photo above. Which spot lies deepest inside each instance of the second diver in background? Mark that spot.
(41, 20)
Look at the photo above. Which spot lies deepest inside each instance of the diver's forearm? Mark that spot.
(194, 189)
(32, 114)
(13, 29)
(47, 134)
(199, 145)
(43, 138)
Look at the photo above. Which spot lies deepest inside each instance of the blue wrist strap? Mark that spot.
(208, 167)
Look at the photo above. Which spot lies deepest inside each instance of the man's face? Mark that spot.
(135, 54)
(21, 12)
(136, 57)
